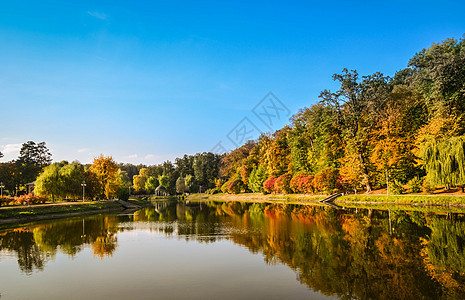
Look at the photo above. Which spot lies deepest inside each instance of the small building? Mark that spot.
(30, 187)
(161, 191)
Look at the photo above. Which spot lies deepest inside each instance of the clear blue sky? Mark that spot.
(147, 81)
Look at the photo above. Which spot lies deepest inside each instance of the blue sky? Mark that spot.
(146, 81)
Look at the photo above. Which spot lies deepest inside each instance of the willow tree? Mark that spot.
(445, 161)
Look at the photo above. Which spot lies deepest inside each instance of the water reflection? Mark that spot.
(350, 254)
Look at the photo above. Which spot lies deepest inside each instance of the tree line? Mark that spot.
(407, 130)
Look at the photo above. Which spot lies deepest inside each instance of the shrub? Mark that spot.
(234, 187)
(325, 181)
(281, 184)
(426, 187)
(224, 187)
(268, 185)
(415, 185)
(30, 198)
(396, 187)
(296, 183)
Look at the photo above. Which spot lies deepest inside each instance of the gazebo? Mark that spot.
(161, 191)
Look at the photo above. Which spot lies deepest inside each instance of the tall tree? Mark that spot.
(32, 159)
(106, 170)
(180, 185)
(357, 105)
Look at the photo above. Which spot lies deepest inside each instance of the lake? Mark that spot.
(237, 250)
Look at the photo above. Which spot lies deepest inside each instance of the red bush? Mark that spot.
(281, 184)
(268, 185)
(302, 184)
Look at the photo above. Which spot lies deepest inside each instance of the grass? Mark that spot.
(257, 197)
(18, 212)
(362, 199)
(404, 199)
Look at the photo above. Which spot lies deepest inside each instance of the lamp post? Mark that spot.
(1, 188)
(83, 184)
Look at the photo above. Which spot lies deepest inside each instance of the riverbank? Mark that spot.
(22, 214)
(411, 200)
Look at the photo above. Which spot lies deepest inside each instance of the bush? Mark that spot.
(426, 187)
(213, 191)
(234, 187)
(123, 193)
(269, 185)
(396, 187)
(29, 198)
(224, 187)
(415, 185)
(302, 184)
(281, 184)
(325, 181)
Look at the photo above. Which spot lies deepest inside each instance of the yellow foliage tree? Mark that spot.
(106, 170)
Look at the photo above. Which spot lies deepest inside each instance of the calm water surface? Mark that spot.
(237, 251)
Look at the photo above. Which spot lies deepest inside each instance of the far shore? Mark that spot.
(408, 200)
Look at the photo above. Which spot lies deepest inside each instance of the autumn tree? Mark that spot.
(106, 170)
(357, 105)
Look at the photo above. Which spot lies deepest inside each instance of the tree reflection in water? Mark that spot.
(350, 254)
(36, 244)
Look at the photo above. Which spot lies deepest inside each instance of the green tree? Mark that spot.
(357, 105)
(49, 182)
(164, 181)
(151, 184)
(257, 178)
(445, 161)
(189, 181)
(32, 159)
(180, 185)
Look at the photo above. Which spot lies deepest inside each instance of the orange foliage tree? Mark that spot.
(106, 170)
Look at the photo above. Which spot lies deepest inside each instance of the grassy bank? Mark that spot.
(421, 200)
(258, 197)
(403, 199)
(38, 212)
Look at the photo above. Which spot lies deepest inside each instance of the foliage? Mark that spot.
(445, 161)
(256, 179)
(151, 184)
(269, 185)
(164, 181)
(189, 181)
(282, 184)
(302, 184)
(234, 187)
(415, 185)
(180, 185)
(106, 170)
(32, 159)
(396, 187)
(326, 180)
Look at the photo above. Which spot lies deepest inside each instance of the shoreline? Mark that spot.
(439, 201)
(41, 212)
